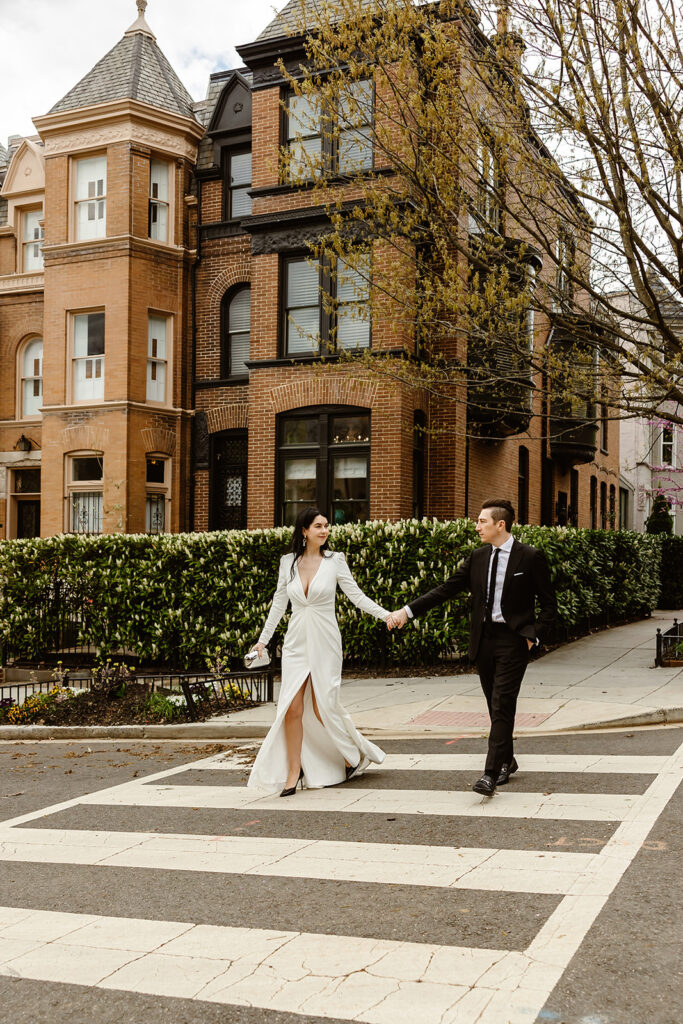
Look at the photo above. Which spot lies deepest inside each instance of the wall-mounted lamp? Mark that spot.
(23, 444)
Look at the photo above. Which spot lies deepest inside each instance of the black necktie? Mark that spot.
(492, 585)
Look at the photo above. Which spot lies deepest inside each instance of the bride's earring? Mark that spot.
(304, 540)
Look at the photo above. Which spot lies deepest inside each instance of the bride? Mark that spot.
(313, 739)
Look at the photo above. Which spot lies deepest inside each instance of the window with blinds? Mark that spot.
(32, 235)
(302, 307)
(32, 378)
(88, 357)
(158, 200)
(326, 306)
(239, 178)
(237, 328)
(91, 197)
(156, 359)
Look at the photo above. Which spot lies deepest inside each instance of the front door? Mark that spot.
(228, 481)
(28, 518)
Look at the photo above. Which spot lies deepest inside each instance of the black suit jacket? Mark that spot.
(527, 577)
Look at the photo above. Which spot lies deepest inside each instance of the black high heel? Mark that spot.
(350, 771)
(292, 790)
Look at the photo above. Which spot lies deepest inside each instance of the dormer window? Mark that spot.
(32, 234)
(91, 197)
(158, 200)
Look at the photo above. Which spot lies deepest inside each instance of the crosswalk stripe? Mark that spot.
(605, 764)
(371, 980)
(320, 976)
(583, 806)
(442, 866)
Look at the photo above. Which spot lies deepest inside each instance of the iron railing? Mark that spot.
(233, 689)
(669, 644)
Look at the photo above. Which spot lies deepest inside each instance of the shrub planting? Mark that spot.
(184, 599)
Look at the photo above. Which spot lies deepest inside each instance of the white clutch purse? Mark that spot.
(252, 659)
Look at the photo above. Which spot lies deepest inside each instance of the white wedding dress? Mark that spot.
(313, 646)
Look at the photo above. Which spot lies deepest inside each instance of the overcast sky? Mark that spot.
(48, 45)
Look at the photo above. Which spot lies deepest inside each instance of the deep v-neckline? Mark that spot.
(310, 582)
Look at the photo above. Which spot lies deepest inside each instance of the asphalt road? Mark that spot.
(626, 969)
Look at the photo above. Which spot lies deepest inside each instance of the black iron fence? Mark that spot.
(215, 694)
(59, 622)
(669, 644)
(205, 692)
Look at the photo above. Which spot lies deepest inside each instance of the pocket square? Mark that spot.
(519, 574)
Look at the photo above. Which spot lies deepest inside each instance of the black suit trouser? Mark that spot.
(501, 662)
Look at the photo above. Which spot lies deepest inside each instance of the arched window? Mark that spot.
(31, 365)
(236, 332)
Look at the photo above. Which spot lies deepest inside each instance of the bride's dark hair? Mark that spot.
(303, 521)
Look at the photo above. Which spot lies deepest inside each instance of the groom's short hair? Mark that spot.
(500, 508)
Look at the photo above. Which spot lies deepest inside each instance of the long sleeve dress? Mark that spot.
(313, 646)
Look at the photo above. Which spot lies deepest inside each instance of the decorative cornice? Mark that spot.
(119, 121)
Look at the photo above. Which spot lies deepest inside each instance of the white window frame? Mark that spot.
(668, 459)
(23, 378)
(155, 491)
(158, 203)
(83, 489)
(26, 242)
(99, 200)
(155, 361)
(96, 370)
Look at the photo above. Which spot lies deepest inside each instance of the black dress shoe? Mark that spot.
(506, 771)
(486, 785)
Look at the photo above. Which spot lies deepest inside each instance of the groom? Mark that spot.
(505, 579)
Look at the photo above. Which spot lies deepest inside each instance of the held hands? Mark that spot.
(531, 643)
(397, 620)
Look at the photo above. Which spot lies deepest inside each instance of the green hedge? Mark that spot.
(181, 599)
(672, 573)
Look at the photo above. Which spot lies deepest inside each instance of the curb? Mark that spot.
(239, 730)
(187, 731)
(660, 716)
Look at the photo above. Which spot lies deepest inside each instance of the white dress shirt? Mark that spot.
(503, 556)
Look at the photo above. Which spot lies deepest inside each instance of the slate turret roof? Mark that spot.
(134, 69)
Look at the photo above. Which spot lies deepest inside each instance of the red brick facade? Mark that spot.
(217, 434)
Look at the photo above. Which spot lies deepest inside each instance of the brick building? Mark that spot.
(172, 303)
(95, 302)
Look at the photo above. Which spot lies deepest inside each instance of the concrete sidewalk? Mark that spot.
(607, 678)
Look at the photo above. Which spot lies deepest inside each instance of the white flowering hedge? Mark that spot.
(179, 600)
